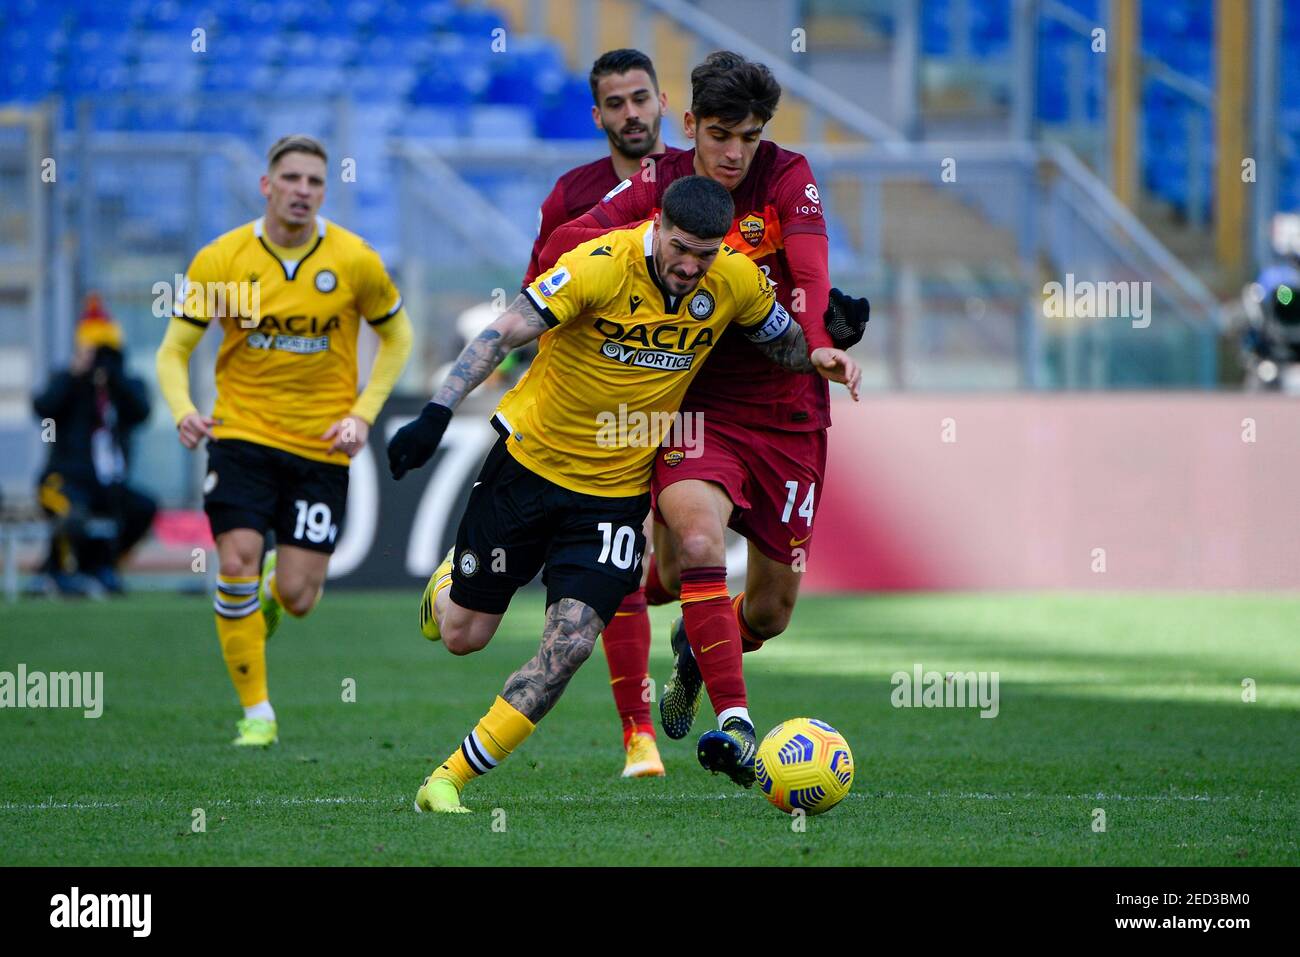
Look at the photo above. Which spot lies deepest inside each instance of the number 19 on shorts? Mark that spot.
(313, 522)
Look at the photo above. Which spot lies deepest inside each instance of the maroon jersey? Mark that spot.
(573, 194)
(778, 208)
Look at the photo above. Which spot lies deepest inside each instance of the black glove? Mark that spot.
(846, 319)
(414, 443)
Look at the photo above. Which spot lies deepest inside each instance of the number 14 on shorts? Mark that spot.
(806, 509)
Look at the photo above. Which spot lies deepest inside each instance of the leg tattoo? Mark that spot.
(567, 640)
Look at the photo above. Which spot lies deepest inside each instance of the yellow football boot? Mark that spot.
(272, 611)
(440, 579)
(643, 759)
(256, 733)
(439, 796)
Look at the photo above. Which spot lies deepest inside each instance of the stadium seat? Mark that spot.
(432, 123)
(500, 124)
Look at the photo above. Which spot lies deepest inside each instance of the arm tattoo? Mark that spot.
(567, 640)
(484, 353)
(476, 362)
(789, 350)
(524, 306)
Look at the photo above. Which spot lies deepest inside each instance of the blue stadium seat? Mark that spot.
(381, 84)
(936, 38)
(470, 22)
(440, 88)
(433, 123)
(566, 114)
(307, 82)
(497, 123)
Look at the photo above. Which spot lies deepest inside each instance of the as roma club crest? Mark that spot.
(752, 229)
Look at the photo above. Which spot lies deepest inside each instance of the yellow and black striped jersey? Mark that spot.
(287, 365)
(620, 351)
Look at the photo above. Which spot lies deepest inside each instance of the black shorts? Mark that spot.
(249, 485)
(517, 522)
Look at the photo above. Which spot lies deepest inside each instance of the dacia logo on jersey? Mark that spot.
(701, 305)
(298, 325)
(674, 458)
(752, 229)
(662, 336)
(664, 345)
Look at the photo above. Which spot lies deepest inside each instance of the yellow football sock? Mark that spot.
(242, 632)
(498, 733)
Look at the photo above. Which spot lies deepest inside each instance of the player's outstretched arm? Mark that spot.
(790, 351)
(629, 203)
(414, 443)
(517, 326)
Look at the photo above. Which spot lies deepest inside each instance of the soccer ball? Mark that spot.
(804, 763)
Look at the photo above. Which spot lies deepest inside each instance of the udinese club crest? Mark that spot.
(468, 564)
(701, 305)
(326, 281)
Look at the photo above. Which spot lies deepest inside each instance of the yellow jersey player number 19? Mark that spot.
(290, 291)
(625, 322)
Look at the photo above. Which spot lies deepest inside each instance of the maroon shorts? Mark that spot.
(774, 479)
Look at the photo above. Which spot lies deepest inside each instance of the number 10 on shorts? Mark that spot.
(806, 509)
(617, 547)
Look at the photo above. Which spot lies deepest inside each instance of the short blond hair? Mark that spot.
(294, 143)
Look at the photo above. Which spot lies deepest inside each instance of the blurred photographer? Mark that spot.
(1271, 337)
(93, 407)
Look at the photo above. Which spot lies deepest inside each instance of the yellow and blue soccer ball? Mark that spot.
(804, 763)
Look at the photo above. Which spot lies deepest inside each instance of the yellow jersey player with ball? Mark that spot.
(624, 322)
(290, 292)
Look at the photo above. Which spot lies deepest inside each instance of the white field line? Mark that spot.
(51, 805)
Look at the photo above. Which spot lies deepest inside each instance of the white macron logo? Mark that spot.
(103, 910)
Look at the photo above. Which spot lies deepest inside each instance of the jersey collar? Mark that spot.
(290, 268)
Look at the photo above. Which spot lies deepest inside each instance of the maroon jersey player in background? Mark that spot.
(629, 107)
(760, 465)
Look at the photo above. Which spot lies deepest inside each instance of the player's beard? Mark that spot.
(618, 141)
(669, 279)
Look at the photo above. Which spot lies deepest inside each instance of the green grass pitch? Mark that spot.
(1128, 703)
